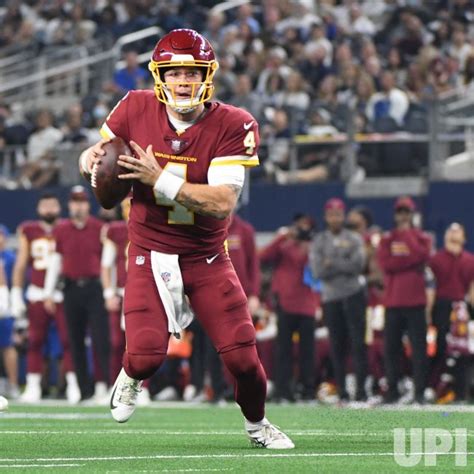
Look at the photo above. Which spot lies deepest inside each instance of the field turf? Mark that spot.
(175, 438)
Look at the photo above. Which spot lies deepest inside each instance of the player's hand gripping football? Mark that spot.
(94, 154)
(145, 169)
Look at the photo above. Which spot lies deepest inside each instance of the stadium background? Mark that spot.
(306, 69)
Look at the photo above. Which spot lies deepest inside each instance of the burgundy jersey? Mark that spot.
(40, 248)
(117, 232)
(224, 135)
(80, 248)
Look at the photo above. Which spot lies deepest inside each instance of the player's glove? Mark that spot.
(17, 304)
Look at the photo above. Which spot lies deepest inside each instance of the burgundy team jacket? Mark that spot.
(243, 253)
(402, 256)
(289, 258)
(453, 274)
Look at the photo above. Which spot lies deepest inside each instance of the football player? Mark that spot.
(188, 169)
(36, 245)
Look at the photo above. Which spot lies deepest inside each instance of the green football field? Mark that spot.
(175, 438)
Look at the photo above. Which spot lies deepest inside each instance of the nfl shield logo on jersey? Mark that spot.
(166, 276)
(176, 144)
(140, 260)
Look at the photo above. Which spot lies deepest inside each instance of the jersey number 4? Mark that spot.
(178, 214)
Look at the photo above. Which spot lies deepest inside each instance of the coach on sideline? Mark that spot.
(403, 254)
(77, 259)
(338, 259)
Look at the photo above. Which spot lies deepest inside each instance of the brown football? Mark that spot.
(108, 188)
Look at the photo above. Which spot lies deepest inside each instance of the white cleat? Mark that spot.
(124, 397)
(266, 435)
(73, 392)
(32, 393)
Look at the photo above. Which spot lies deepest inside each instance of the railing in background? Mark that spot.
(63, 72)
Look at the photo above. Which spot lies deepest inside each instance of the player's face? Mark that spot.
(48, 210)
(454, 240)
(183, 83)
(356, 222)
(335, 219)
(79, 209)
(403, 216)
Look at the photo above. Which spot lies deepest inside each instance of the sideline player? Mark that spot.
(36, 245)
(186, 185)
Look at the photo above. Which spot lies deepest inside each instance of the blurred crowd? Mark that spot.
(299, 68)
(345, 312)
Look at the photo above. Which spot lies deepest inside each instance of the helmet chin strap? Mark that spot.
(181, 106)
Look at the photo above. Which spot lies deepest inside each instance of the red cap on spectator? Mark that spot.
(78, 193)
(334, 204)
(405, 202)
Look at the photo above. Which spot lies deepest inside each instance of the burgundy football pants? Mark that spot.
(220, 305)
(38, 327)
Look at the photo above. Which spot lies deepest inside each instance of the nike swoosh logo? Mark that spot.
(112, 406)
(210, 260)
(248, 125)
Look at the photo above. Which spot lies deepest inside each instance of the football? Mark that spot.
(108, 188)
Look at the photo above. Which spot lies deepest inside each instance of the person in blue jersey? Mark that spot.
(7, 347)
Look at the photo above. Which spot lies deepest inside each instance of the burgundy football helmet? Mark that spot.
(183, 48)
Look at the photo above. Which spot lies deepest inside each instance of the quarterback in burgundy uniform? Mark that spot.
(36, 245)
(187, 171)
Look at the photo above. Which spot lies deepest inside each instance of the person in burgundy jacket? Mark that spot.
(403, 254)
(243, 253)
(296, 305)
(77, 259)
(453, 269)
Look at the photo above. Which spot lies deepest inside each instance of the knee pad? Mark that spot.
(141, 367)
(242, 361)
(144, 353)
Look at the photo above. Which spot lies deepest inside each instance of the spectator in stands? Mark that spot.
(45, 136)
(296, 305)
(338, 259)
(244, 97)
(389, 103)
(77, 259)
(403, 254)
(276, 64)
(7, 347)
(132, 76)
(453, 269)
(294, 95)
(359, 23)
(460, 48)
(41, 167)
(278, 134)
(396, 66)
(317, 38)
(215, 22)
(73, 131)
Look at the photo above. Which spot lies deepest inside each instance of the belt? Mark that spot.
(81, 281)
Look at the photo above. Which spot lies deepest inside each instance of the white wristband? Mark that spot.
(109, 293)
(168, 184)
